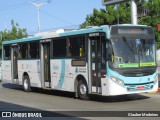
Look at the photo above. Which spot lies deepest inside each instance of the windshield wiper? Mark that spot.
(125, 41)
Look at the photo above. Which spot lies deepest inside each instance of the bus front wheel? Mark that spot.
(26, 84)
(82, 90)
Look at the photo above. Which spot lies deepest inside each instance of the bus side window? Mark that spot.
(7, 52)
(69, 48)
(33, 52)
(110, 52)
(23, 50)
(77, 46)
(59, 48)
(29, 50)
(20, 51)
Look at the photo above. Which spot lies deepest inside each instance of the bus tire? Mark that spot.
(82, 90)
(26, 84)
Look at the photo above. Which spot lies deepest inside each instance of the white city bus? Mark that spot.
(105, 60)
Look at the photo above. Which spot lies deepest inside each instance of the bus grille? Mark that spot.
(139, 87)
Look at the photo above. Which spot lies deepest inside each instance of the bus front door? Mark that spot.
(45, 58)
(97, 61)
(14, 56)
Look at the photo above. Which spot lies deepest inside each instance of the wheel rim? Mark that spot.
(26, 84)
(83, 89)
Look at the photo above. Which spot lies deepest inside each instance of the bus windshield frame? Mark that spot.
(132, 50)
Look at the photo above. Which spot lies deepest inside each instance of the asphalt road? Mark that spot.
(13, 98)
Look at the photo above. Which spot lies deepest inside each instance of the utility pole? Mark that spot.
(117, 5)
(134, 11)
(38, 7)
(5, 26)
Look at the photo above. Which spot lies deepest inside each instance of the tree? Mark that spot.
(152, 17)
(110, 15)
(14, 33)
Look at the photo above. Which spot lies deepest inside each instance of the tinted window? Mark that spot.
(34, 50)
(7, 52)
(59, 48)
(23, 51)
(76, 46)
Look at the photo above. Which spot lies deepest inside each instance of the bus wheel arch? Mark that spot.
(81, 88)
(26, 82)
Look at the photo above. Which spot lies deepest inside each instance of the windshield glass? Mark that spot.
(131, 52)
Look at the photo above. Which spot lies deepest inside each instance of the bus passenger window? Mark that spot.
(77, 46)
(7, 52)
(23, 51)
(34, 50)
(59, 48)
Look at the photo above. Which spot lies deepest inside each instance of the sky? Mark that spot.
(56, 14)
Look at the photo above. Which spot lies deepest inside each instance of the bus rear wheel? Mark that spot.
(26, 84)
(82, 90)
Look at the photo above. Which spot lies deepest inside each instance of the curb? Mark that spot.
(158, 91)
(154, 92)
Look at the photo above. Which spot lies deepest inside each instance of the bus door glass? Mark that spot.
(45, 58)
(14, 63)
(98, 60)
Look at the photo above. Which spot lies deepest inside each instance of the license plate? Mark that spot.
(140, 88)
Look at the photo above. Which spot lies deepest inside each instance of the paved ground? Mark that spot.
(12, 98)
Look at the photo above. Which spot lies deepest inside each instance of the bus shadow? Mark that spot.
(119, 98)
(95, 98)
(40, 90)
(12, 86)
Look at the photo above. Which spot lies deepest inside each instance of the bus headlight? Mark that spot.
(118, 81)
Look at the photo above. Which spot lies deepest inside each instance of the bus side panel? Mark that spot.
(63, 74)
(6, 71)
(32, 68)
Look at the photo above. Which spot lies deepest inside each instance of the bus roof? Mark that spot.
(45, 35)
(63, 33)
(22, 40)
(104, 28)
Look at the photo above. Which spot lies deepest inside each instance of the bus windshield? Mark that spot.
(130, 52)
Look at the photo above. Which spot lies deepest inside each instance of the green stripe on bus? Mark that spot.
(148, 64)
(137, 65)
(128, 65)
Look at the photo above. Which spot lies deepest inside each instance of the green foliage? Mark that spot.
(14, 33)
(153, 16)
(123, 14)
(108, 16)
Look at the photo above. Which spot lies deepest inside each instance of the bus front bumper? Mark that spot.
(110, 88)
